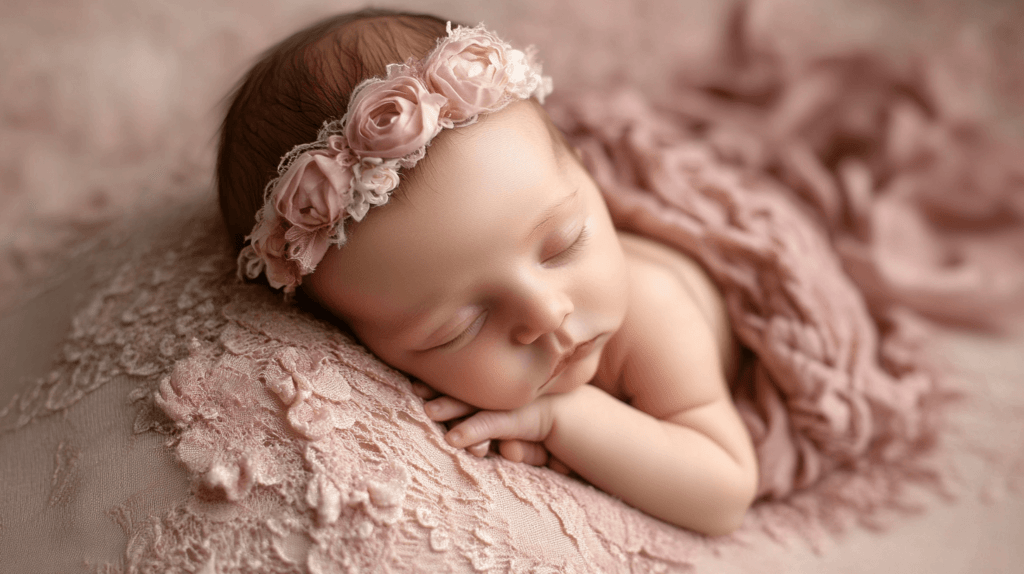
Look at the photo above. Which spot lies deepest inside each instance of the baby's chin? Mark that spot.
(495, 403)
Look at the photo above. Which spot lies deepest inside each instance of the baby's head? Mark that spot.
(298, 84)
(495, 260)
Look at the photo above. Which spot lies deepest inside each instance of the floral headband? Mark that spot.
(353, 165)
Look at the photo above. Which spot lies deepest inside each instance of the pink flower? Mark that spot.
(392, 118)
(472, 71)
(387, 127)
(315, 190)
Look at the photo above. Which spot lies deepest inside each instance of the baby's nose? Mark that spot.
(543, 314)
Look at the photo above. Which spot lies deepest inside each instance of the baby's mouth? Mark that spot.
(579, 351)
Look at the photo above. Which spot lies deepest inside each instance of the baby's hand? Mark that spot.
(454, 412)
(449, 411)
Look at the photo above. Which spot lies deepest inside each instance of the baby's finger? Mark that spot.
(558, 466)
(446, 408)
(528, 424)
(480, 449)
(423, 391)
(532, 453)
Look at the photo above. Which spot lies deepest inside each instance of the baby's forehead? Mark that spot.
(530, 138)
(556, 139)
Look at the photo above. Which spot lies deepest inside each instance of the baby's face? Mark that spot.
(498, 261)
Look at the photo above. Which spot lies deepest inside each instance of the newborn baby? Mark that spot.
(490, 269)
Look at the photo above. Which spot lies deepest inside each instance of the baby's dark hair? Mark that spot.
(297, 85)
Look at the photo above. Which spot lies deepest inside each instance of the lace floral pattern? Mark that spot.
(285, 412)
(139, 324)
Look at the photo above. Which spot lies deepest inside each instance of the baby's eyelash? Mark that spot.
(463, 335)
(577, 245)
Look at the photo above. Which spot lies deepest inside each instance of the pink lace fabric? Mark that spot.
(351, 474)
(303, 451)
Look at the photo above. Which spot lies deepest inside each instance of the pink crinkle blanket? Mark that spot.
(832, 209)
(824, 388)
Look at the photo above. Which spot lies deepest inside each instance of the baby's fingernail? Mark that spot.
(454, 437)
(480, 449)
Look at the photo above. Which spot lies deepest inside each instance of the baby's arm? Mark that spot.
(680, 452)
(676, 472)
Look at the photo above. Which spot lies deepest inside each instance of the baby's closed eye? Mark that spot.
(572, 249)
(566, 254)
(464, 335)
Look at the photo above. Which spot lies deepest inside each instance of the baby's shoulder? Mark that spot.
(675, 325)
(658, 269)
(663, 284)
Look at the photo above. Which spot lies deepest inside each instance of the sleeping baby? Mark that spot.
(401, 173)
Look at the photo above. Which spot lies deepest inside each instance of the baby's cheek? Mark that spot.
(481, 378)
(492, 381)
(458, 377)
(486, 375)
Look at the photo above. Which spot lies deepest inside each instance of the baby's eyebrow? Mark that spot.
(554, 209)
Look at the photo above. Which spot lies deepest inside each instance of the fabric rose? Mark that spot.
(472, 72)
(316, 188)
(392, 118)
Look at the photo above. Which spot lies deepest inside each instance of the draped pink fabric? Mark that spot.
(829, 203)
(826, 389)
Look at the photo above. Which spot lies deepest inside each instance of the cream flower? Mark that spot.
(355, 162)
(392, 118)
(307, 248)
(372, 184)
(525, 78)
